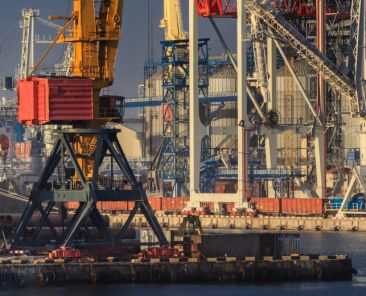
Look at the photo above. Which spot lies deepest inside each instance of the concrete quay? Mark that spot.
(179, 270)
(258, 223)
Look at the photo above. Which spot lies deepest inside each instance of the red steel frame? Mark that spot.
(216, 8)
(297, 8)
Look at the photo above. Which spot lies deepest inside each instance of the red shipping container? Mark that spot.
(155, 203)
(166, 204)
(44, 100)
(71, 205)
(130, 205)
(180, 203)
(124, 205)
(18, 150)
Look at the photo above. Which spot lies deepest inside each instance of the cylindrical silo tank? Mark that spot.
(223, 83)
(292, 107)
(152, 115)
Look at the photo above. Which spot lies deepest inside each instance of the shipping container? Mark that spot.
(44, 100)
(130, 205)
(71, 205)
(266, 205)
(302, 206)
(23, 150)
(155, 203)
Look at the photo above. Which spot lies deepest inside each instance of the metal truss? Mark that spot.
(71, 174)
(27, 26)
(355, 21)
(286, 33)
(357, 38)
(175, 112)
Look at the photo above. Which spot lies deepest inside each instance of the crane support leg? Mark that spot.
(71, 174)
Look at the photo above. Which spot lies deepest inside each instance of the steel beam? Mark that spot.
(243, 121)
(270, 137)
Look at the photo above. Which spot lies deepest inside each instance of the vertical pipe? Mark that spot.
(271, 139)
(242, 103)
(31, 51)
(320, 138)
(194, 139)
(320, 43)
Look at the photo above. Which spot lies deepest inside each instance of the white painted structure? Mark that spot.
(197, 130)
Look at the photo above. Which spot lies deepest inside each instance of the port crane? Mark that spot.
(71, 172)
(275, 19)
(282, 30)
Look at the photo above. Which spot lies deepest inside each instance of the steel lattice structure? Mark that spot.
(175, 112)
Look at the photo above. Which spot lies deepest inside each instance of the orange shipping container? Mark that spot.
(266, 205)
(71, 205)
(155, 203)
(302, 206)
(166, 204)
(130, 205)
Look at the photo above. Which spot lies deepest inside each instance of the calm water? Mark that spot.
(353, 244)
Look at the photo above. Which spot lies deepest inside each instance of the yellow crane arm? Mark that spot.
(110, 16)
(95, 39)
(172, 22)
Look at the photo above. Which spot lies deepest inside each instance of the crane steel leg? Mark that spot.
(86, 150)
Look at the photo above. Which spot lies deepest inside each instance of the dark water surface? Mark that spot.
(353, 244)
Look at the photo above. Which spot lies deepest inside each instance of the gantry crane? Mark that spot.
(72, 170)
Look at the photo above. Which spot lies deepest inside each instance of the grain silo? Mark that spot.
(223, 83)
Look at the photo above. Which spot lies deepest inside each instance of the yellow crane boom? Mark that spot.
(172, 22)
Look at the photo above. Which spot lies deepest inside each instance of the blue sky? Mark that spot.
(133, 49)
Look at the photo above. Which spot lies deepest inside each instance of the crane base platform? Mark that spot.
(71, 173)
